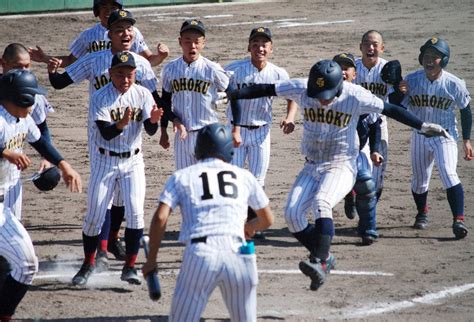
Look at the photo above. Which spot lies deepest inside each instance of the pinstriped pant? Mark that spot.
(208, 265)
(184, 150)
(424, 152)
(14, 198)
(16, 246)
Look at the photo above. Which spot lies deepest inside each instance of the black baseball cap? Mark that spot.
(260, 31)
(120, 15)
(345, 58)
(123, 58)
(193, 24)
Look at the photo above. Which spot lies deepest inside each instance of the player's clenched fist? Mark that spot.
(155, 114)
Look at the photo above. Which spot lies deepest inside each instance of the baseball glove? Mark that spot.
(391, 72)
(48, 179)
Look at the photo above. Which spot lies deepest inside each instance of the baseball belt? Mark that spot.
(121, 155)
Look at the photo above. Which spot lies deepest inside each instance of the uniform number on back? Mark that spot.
(227, 188)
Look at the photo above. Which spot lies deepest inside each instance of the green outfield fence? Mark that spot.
(27, 6)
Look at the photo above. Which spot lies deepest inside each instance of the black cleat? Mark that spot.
(317, 270)
(117, 249)
(459, 229)
(129, 274)
(421, 221)
(83, 275)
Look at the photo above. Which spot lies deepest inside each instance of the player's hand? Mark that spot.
(377, 158)
(37, 54)
(164, 139)
(468, 151)
(179, 127)
(249, 231)
(21, 160)
(156, 114)
(44, 164)
(54, 64)
(148, 268)
(236, 138)
(163, 51)
(287, 125)
(432, 129)
(70, 177)
(125, 120)
(403, 87)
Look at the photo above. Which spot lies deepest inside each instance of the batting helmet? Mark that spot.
(325, 80)
(20, 86)
(440, 45)
(214, 140)
(97, 4)
(48, 179)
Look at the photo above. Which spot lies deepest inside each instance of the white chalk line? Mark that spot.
(66, 274)
(261, 22)
(380, 308)
(305, 24)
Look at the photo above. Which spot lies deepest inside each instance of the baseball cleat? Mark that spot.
(129, 274)
(368, 240)
(101, 262)
(259, 235)
(421, 221)
(349, 206)
(83, 275)
(317, 270)
(117, 249)
(459, 229)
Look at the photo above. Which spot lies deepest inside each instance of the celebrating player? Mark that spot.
(257, 114)
(213, 196)
(331, 109)
(433, 94)
(18, 89)
(119, 111)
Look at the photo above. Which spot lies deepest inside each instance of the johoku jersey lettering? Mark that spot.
(96, 39)
(194, 88)
(371, 80)
(95, 68)
(40, 109)
(13, 134)
(244, 73)
(436, 101)
(329, 132)
(213, 197)
(108, 104)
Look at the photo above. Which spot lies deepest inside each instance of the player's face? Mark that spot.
(105, 9)
(16, 111)
(122, 78)
(121, 35)
(348, 72)
(192, 43)
(260, 48)
(22, 61)
(371, 47)
(432, 63)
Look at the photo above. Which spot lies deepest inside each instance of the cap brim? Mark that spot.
(347, 61)
(37, 90)
(192, 27)
(123, 65)
(260, 34)
(131, 20)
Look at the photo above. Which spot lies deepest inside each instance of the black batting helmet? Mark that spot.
(20, 86)
(325, 80)
(97, 3)
(48, 179)
(440, 45)
(214, 140)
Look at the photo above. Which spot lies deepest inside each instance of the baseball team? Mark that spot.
(345, 103)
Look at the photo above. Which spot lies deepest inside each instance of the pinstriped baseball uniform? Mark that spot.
(435, 102)
(194, 90)
(255, 147)
(330, 144)
(13, 134)
(40, 109)
(371, 80)
(96, 39)
(108, 104)
(213, 197)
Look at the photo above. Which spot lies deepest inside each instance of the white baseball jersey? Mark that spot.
(435, 102)
(13, 134)
(128, 171)
(40, 109)
(95, 68)
(213, 197)
(330, 144)
(96, 38)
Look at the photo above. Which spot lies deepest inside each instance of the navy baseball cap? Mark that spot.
(123, 58)
(260, 31)
(345, 58)
(193, 25)
(120, 15)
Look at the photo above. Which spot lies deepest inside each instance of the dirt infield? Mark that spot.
(409, 275)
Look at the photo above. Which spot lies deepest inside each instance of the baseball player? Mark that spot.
(331, 109)
(95, 68)
(213, 196)
(96, 39)
(18, 89)
(364, 191)
(119, 110)
(257, 114)
(433, 95)
(15, 56)
(190, 87)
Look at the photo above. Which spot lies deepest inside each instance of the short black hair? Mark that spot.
(365, 35)
(13, 50)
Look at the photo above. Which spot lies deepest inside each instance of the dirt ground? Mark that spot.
(428, 276)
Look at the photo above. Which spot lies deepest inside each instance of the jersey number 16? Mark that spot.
(226, 188)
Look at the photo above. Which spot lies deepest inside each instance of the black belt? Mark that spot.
(121, 155)
(199, 240)
(1, 198)
(250, 127)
